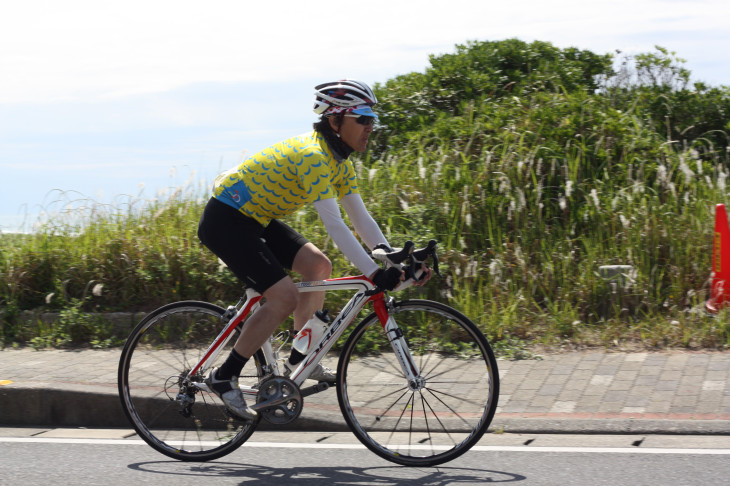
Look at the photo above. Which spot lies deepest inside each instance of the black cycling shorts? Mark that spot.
(256, 254)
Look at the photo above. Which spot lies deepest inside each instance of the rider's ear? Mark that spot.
(335, 123)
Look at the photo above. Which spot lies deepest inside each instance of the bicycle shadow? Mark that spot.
(255, 474)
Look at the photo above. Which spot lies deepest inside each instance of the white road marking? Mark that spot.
(300, 445)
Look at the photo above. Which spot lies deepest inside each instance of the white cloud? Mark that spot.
(81, 49)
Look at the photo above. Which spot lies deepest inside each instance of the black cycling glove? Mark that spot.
(387, 279)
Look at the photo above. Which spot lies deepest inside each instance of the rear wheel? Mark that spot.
(445, 411)
(166, 409)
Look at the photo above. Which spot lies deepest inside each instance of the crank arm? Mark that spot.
(319, 387)
(272, 402)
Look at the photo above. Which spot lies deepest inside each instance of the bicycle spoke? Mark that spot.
(425, 416)
(439, 364)
(461, 399)
(409, 402)
(448, 407)
(456, 366)
(395, 367)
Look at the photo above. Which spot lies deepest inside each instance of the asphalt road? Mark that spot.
(116, 457)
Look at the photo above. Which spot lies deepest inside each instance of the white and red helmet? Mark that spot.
(346, 95)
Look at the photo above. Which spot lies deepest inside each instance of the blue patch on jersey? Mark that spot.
(236, 196)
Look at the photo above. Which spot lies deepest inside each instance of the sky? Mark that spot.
(104, 104)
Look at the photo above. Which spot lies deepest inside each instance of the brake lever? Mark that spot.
(401, 255)
(411, 266)
(435, 262)
(429, 250)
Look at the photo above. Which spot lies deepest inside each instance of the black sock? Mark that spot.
(296, 357)
(232, 366)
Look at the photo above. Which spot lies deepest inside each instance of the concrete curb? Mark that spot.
(40, 406)
(35, 406)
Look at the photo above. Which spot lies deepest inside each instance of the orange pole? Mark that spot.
(720, 290)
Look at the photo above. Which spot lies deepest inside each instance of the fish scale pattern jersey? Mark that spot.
(279, 180)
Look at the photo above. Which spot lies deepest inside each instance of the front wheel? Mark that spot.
(166, 409)
(438, 417)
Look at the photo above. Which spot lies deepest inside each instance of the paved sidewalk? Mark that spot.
(580, 392)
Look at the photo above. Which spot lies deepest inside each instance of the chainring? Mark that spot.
(279, 400)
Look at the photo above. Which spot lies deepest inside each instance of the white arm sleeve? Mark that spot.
(329, 213)
(364, 224)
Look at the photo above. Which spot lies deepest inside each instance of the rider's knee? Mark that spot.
(312, 264)
(322, 267)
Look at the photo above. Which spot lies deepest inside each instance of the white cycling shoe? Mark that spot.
(319, 373)
(231, 395)
(322, 373)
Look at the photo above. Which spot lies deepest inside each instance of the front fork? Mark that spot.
(398, 342)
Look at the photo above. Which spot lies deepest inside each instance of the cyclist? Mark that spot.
(242, 225)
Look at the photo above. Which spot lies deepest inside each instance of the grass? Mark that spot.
(527, 277)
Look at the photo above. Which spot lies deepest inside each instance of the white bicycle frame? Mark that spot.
(337, 327)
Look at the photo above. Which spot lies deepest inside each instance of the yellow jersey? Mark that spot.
(279, 180)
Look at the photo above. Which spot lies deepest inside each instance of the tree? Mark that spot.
(480, 71)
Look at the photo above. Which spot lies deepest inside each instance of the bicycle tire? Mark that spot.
(423, 426)
(161, 350)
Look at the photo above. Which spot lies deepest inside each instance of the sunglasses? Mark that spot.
(362, 119)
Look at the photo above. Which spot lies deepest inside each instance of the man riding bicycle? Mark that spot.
(242, 225)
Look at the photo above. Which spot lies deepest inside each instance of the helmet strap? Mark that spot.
(338, 118)
(339, 148)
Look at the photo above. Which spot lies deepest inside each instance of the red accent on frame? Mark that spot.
(228, 332)
(380, 310)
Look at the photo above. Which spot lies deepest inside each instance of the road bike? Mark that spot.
(417, 381)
